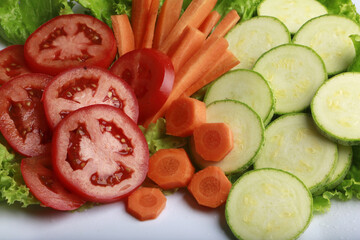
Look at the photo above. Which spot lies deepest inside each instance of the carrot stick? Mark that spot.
(209, 23)
(213, 141)
(193, 16)
(190, 42)
(210, 187)
(169, 15)
(184, 115)
(227, 23)
(170, 168)
(123, 33)
(146, 203)
(192, 71)
(139, 17)
(150, 24)
(225, 63)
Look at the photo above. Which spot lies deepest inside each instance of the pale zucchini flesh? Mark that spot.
(336, 109)
(248, 135)
(293, 144)
(245, 86)
(294, 72)
(293, 13)
(329, 36)
(250, 39)
(268, 204)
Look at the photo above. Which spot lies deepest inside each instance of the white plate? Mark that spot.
(181, 219)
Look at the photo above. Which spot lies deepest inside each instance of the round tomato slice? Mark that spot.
(12, 63)
(68, 41)
(151, 74)
(99, 153)
(22, 117)
(44, 185)
(84, 86)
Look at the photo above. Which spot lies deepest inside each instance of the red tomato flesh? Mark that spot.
(12, 63)
(22, 117)
(151, 74)
(99, 153)
(84, 86)
(44, 185)
(69, 41)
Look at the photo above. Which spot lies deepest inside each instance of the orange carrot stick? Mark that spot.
(170, 168)
(123, 33)
(227, 23)
(209, 23)
(139, 17)
(225, 63)
(193, 16)
(213, 141)
(147, 41)
(184, 115)
(169, 15)
(190, 42)
(192, 71)
(146, 203)
(210, 187)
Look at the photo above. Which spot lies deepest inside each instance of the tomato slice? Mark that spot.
(44, 185)
(151, 74)
(84, 86)
(68, 41)
(12, 63)
(22, 117)
(99, 153)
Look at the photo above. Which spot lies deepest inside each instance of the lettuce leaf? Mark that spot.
(100, 9)
(355, 66)
(12, 186)
(245, 8)
(342, 7)
(20, 18)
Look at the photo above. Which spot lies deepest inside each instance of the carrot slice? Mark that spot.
(210, 187)
(123, 33)
(146, 203)
(225, 63)
(213, 141)
(193, 16)
(169, 15)
(139, 17)
(190, 42)
(147, 41)
(170, 168)
(209, 23)
(184, 115)
(200, 63)
(227, 23)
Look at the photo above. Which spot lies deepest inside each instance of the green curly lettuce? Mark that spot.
(342, 7)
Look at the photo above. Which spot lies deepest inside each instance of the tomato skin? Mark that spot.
(68, 41)
(151, 74)
(22, 117)
(12, 63)
(90, 158)
(83, 86)
(44, 185)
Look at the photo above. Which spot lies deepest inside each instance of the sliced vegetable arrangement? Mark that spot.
(183, 94)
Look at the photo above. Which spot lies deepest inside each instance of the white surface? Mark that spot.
(181, 219)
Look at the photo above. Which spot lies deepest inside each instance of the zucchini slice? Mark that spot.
(245, 86)
(293, 144)
(329, 36)
(251, 38)
(294, 72)
(268, 204)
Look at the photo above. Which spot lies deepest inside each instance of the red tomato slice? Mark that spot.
(12, 63)
(69, 41)
(22, 117)
(44, 185)
(151, 74)
(84, 86)
(99, 153)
